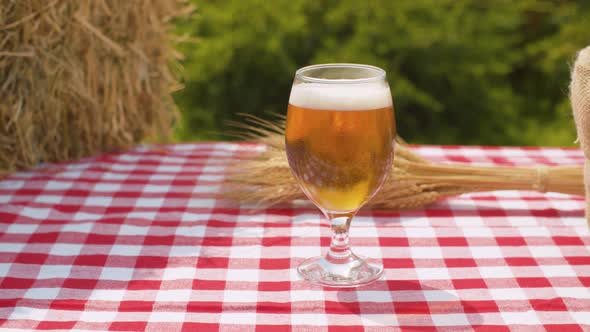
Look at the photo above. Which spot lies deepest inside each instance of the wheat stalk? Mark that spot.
(266, 179)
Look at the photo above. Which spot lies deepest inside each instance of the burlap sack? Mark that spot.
(580, 97)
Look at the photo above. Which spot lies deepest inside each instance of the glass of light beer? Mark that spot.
(339, 140)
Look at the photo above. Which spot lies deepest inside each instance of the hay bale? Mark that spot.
(79, 77)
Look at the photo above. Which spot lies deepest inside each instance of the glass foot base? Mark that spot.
(350, 272)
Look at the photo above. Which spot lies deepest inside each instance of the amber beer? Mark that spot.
(339, 142)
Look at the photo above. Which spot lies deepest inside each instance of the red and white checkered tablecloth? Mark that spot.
(137, 241)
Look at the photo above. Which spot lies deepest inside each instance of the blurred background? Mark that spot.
(461, 71)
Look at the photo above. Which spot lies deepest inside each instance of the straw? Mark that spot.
(80, 77)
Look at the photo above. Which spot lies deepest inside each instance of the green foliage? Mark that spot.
(461, 71)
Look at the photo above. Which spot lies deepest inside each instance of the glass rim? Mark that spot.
(380, 74)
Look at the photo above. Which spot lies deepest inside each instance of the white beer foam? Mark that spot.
(341, 97)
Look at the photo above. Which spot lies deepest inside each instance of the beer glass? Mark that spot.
(339, 141)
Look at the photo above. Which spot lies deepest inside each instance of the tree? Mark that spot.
(461, 71)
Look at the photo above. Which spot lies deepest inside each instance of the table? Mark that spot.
(139, 241)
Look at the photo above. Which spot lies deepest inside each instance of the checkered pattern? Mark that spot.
(138, 241)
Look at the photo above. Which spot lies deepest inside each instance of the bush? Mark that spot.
(461, 72)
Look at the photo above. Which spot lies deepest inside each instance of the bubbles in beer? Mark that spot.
(339, 141)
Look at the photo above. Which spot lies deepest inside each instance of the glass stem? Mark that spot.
(339, 251)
